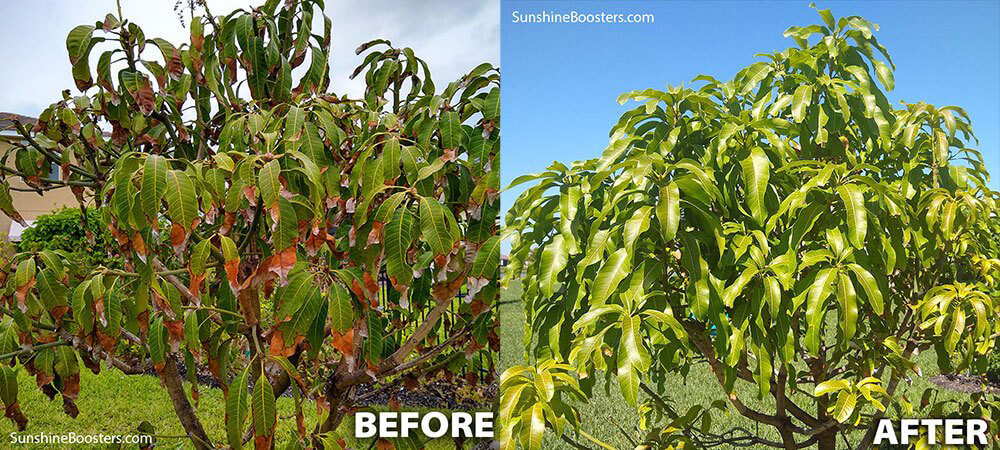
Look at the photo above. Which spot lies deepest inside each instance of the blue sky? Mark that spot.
(560, 81)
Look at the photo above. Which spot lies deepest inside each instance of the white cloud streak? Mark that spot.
(453, 36)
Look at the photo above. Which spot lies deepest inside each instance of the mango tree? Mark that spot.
(788, 230)
(256, 212)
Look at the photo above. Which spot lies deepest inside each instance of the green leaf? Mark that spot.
(25, 272)
(293, 296)
(294, 121)
(491, 106)
(262, 408)
(633, 359)
(7, 203)
(827, 18)
(237, 408)
(734, 290)
(399, 235)
(65, 362)
(154, 184)
(544, 386)
(800, 102)
(341, 308)
(52, 293)
(552, 263)
(869, 286)
(848, 303)
(157, 341)
(698, 291)
(191, 331)
(756, 174)
(182, 201)
(8, 385)
(303, 317)
(955, 329)
(53, 262)
(452, 134)
(78, 42)
(312, 144)
(846, 401)
(267, 182)
(229, 251)
(612, 272)
(634, 226)
(437, 226)
(286, 230)
(857, 214)
(199, 257)
(754, 75)
(532, 427)
(819, 291)
(430, 169)
(941, 145)
(772, 294)
(884, 74)
(668, 210)
(387, 211)
(487, 259)
(830, 386)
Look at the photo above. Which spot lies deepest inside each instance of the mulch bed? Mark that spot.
(433, 395)
(964, 383)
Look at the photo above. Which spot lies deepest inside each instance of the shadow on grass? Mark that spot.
(603, 414)
(113, 403)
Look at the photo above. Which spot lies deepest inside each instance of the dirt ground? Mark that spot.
(965, 383)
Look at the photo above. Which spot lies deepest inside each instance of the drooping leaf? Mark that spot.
(857, 213)
(154, 184)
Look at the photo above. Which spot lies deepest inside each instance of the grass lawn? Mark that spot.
(604, 413)
(114, 404)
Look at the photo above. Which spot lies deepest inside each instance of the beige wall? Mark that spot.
(30, 204)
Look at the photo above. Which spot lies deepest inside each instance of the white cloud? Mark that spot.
(453, 36)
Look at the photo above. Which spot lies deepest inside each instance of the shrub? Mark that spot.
(66, 230)
(993, 367)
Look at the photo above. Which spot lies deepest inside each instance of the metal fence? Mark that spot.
(482, 363)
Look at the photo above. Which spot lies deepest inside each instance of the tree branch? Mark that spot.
(72, 167)
(59, 343)
(175, 388)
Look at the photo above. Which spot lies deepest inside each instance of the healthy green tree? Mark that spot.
(787, 230)
(255, 212)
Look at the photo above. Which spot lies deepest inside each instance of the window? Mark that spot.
(14, 234)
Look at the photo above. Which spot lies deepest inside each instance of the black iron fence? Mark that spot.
(483, 364)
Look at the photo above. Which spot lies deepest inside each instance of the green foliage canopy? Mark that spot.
(78, 232)
(232, 177)
(787, 229)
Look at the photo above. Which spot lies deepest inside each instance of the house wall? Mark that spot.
(30, 204)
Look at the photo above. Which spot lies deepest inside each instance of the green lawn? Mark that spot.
(113, 403)
(604, 413)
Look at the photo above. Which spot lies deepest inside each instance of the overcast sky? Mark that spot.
(453, 36)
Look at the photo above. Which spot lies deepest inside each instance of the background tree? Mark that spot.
(255, 212)
(787, 229)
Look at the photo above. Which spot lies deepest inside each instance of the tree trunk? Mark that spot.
(338, 398)
(172, 381)
(828, 439)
